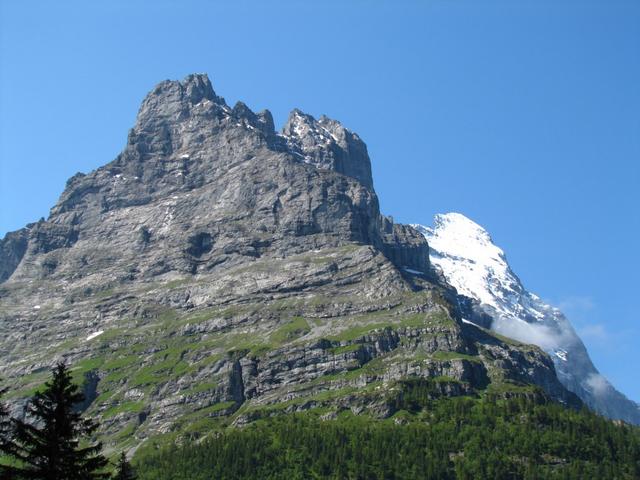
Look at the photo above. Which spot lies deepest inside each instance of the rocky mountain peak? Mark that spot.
(193, 89)
(262, 120)
(200, 184)
(197, 86)
(326, 144)
(173, 100)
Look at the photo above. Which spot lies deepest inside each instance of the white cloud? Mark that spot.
(544, 336)
(597, 384)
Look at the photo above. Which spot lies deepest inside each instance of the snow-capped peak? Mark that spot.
(478, 269)
(470, 261)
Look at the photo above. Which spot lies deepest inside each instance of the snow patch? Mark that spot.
(411, 270)
(94, 334)
(561, 354)
(464, 320)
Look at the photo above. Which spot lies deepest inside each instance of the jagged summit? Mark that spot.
(172, 99)
(325, 143)
(193, 164)
(478, 269)
(194, 87)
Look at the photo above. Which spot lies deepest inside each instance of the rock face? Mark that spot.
(12, 248)
(211, 185)
(479, 270)
(218, 270)
(328, 145)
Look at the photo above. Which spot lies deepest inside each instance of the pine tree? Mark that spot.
(49, 445)
(7, 445)
(124, 471)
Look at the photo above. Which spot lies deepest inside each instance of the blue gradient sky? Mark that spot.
(525, 116)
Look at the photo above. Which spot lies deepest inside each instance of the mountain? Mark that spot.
(218, 271)
(478, 269)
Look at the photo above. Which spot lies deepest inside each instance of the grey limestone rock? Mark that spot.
(12, 248)
(195, 170)
(326, 144)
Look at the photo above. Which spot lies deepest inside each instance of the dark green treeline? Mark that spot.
(460, 438)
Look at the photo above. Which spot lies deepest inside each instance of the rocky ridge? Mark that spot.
(218, 271)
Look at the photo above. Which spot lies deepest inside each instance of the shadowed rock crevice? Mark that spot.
(199, 244)
(89, 390)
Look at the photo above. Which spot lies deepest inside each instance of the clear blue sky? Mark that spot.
(523, 115)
